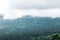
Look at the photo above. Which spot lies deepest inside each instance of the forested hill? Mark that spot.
(31, 24)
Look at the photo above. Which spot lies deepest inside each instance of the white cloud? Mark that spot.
(3, 6)
(12, 14)
(35, 4)
(12, 9)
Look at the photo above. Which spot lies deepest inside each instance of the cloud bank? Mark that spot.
(12, 9)
(35, 4)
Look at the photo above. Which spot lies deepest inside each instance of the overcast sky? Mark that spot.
(12, 9)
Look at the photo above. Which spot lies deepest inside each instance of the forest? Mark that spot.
(29, 28)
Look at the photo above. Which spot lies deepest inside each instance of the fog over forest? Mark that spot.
(29, 19)
(29, 23)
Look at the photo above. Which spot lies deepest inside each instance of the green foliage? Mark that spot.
(29, 36)
(29, 28)
(30, 24)
(56, 37)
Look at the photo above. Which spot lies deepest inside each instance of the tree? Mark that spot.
(55, 37)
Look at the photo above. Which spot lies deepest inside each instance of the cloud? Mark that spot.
(15, 13)
(34, 4)
(3, 6)
(12, 9)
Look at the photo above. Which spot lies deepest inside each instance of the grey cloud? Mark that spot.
(34, 4)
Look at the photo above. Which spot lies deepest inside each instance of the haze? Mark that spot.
(12, 9)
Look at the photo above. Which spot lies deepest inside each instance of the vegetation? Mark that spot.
(30, 28)
(33, 36)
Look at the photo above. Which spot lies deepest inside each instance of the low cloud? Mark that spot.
(18, 8)
(34, 4)
(13, 14)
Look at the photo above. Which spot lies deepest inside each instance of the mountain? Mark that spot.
(27, 24)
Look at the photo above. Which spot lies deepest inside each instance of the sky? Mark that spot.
(12, 9)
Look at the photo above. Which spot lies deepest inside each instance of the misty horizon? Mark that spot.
(29, 19)
(12, 9)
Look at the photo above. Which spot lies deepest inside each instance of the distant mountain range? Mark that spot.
(28, 23)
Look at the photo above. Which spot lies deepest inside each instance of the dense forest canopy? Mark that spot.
(30, 28)
(29, 24)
